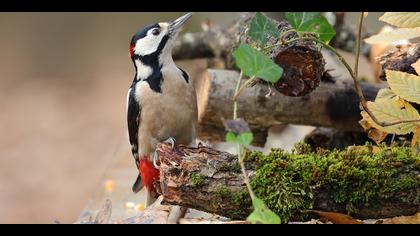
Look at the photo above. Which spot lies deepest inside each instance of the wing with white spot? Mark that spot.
(133, 121)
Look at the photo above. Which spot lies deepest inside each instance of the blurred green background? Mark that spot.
(63, 84)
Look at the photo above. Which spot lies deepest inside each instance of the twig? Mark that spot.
(358, 39)
(246, 179)
(248, 82)
(235, 103)
(239, 147)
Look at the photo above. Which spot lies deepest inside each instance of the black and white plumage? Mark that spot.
(161, 101)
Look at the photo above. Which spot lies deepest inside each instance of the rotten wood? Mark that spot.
(400, 59)
(210, 180)
(183, 171)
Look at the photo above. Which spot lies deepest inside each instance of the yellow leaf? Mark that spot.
(385, 93)
(415, 142)
(395, 35)
(402, 19)
(377, 135)
(365, 124)
(406, 86)
(416, 66)
(389, 110)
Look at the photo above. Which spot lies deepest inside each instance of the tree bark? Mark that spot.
(400, 59)
(210, 180)
(333, 104)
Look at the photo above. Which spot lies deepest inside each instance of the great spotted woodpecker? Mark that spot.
(161, 102)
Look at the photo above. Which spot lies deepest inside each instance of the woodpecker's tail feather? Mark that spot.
(137, 185)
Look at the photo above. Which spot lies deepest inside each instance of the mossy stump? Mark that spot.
(364, 182)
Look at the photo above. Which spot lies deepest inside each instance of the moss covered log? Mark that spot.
(365, 181)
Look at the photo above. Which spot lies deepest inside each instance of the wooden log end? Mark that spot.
(303, 66)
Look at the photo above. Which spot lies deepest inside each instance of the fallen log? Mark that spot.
(359, 182)
(333, 104)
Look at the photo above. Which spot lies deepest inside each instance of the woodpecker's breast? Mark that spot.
(169, 113)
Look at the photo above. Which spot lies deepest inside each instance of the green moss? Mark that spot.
(287, 182)
(223, 192)
(237, 203)
(197, 179)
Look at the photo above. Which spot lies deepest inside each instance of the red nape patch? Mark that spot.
(149, 174)
(132, 50)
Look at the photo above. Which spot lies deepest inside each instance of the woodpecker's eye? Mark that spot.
(156, 31)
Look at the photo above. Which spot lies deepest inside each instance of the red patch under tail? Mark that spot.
(149, 174)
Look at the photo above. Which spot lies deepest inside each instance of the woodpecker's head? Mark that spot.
(155, 42)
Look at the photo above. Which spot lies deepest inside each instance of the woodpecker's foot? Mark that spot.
(155, 159)
(171, 141)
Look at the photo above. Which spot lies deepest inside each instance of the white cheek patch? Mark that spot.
(148, 44)
(143, 71)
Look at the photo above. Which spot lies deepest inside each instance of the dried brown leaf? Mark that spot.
(337, 218)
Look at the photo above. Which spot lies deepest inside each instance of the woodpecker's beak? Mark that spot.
(175, 25)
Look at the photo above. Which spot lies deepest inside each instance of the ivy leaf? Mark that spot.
(261, 214)
(231, 137)
(298, 19)
(405, 85)
(311, 22)
(245, 138)
(395, 35)
(238, 132)
(261, 28)
(416, 66)
(254, 63)
(402, 19)
(392, 110)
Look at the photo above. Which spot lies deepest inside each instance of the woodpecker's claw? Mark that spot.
(171, 141)
(155, 159)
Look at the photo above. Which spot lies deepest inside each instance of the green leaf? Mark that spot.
(231, 137)
(405, 85)
(402, 19)
(261, 214)
(298, 19)
(242, 138)
(261, 28)
(254, 63)
(245, 138)
(311, 22)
